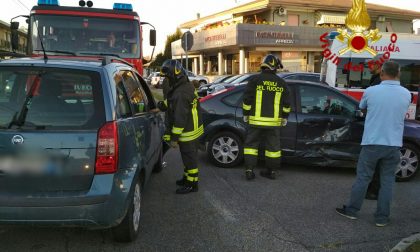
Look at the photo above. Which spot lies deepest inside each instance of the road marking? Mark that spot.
(220, 207)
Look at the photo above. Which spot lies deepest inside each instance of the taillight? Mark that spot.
(107, 149)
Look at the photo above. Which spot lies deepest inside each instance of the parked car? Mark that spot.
(241, 80)
(154, 81)
(324, 129)
(202, 90)
(79, 142)
(313, 77)
(201, 79)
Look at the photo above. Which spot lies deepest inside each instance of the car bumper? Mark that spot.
(103, 206)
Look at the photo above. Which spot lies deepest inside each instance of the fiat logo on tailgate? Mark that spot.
(17, 139)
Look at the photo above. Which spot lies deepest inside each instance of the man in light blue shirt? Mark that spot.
(386, 106)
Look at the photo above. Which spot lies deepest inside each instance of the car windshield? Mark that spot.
(230, 79)
(241, 79)
(86, 35)
(38, 98)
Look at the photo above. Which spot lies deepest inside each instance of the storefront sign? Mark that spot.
(215, 37)
(280, 37)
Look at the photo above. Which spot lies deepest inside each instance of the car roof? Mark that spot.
(91, 62)
(298, 73)
(237, 87)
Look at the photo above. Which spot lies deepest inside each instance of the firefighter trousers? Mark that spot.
(189, 152)
(270, 139)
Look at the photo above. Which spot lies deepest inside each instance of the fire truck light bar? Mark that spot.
(123, 6)
(48, 2)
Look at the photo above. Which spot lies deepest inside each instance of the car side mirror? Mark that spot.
(152, 37)
(14, 26)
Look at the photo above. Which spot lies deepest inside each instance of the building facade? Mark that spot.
(235, 41)
(5, 39)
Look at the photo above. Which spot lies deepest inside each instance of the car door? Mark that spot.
(288, 133)
(155, 117)
(328, 131)
(135, 127)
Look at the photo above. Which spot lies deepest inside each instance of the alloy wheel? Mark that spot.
(225, 150)
(408, 165)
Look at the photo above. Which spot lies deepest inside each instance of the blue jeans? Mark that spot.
(387, 158)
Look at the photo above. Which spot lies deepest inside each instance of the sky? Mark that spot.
(166, 15)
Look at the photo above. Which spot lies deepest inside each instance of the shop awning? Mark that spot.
(331, 18)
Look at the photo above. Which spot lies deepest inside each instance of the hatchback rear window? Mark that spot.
(50, 98)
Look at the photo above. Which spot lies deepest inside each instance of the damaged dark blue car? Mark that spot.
(325, 128)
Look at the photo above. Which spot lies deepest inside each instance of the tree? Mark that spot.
(167, 54)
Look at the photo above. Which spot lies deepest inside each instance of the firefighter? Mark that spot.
(266, 107)
(184, 125)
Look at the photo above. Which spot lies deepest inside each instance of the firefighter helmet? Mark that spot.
(271, 62)
(172, 69)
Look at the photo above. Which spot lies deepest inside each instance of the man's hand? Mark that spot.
(173, 144)
(283, 122)
(246, 119)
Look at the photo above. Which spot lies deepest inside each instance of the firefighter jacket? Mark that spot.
(183, 120)
(266, 100)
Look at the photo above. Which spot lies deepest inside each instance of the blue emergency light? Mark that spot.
(48, 2)
(123, 6)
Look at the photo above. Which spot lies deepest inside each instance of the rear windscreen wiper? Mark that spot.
(20, 116)
(58, 51)
(100, 54)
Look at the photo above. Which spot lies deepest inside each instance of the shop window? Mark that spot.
(293, 20)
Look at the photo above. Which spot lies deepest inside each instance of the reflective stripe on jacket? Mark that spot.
(266, 100)
(184, 113)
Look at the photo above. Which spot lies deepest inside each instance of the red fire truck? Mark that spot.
(86, 31)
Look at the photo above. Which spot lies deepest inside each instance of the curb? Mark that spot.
(406, 243)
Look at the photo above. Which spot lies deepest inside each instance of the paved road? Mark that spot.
(293, 213)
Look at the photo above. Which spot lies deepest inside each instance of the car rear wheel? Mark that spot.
(202, 82)
(409, 162)
(225, 149)
(128, 229)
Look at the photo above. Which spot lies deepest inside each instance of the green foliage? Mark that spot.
(167, 54)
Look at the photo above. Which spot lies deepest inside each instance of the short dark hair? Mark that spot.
(391, 68)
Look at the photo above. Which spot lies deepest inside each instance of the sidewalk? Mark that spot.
(409, 244)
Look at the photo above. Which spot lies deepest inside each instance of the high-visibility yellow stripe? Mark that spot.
(250, 151)
(195, 114)
(273, 154)
(165, 102)
(191, 179)
(258, 103)
(246, 107)
(277, 99)
(286, 109)
(166, 137)
(265, 119)
(189, 136)
(176, 130)
(260, 123)
(194, 132)
(192, 171)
